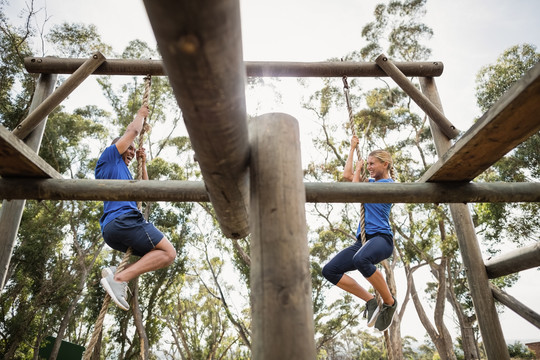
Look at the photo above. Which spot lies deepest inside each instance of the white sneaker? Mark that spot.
(117, 290)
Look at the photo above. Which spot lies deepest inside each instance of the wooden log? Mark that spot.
(484, 304)
(420, 99)
(429, 89)
(518, 307)
(200, 42)
(509, 122)
(514, 261)
(133, 67)
(63, 91)
(195, 191)
(281, 306)
(11, 211)
(20, 160)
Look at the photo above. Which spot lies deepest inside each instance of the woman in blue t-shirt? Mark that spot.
(378, 247)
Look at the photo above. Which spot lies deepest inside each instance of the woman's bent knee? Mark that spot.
(330, 274)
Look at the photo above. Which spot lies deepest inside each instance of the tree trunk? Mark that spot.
(468, 339)
(438, 340)
(439, 310)
(139, 325)
(67, 317)
(393, 335)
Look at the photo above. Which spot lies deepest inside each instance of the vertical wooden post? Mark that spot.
(282, 324)
(483, 301)
(47, 105)
(11, 212)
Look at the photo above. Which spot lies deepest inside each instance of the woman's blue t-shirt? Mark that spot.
(377, 216)
(111, 166)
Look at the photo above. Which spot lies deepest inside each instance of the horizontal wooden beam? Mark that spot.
(201, 45)
(195, 191)
(509, 122)
(19, 160)
(514, 261)
(420, 99)
(48, 65)
(56, 98)
(519, 308)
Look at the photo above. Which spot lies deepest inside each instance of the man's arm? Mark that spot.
(133, 129)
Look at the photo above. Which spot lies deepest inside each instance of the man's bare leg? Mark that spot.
(161, 256)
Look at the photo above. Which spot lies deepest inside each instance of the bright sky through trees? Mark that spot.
(467, 35)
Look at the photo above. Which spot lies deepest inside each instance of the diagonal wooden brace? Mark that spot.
(420, 99)
(46, 107)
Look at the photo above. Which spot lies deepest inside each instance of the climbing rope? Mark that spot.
(358, 153)
(145, 129)
(98, 327)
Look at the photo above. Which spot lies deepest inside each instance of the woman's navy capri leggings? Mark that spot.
(362, 258)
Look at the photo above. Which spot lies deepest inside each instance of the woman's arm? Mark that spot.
(348, 173)
(359, 172)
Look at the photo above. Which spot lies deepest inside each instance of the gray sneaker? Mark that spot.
(117, 290)
(371, 311)
(108, 270)
(384, 320)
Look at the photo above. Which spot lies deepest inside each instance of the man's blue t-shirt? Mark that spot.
(377, 216)
(111, 166)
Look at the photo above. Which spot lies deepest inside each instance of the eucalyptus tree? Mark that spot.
(511, 222)
(383, 118)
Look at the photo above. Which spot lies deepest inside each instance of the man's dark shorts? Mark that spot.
(132, 230)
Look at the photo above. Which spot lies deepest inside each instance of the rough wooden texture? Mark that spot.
(11, 211)
(194, 191)
(519, 308)
(282, 325)
(253, 68)
(429, 89)
(19, 160)
(63, 91)
(484, 305)
(420, 99)
(201, 46)
(509, 122)
(514, 261)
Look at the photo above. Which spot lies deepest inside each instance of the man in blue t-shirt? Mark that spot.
(122, 224)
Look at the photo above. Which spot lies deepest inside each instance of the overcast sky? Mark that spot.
(468, 34)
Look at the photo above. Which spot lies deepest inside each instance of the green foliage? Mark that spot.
(77, 40)
(519, 351)
(492, 81)
(509, 222)
(16, 85)
(397, 24)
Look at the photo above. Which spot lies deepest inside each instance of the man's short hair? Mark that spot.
(115, 140)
